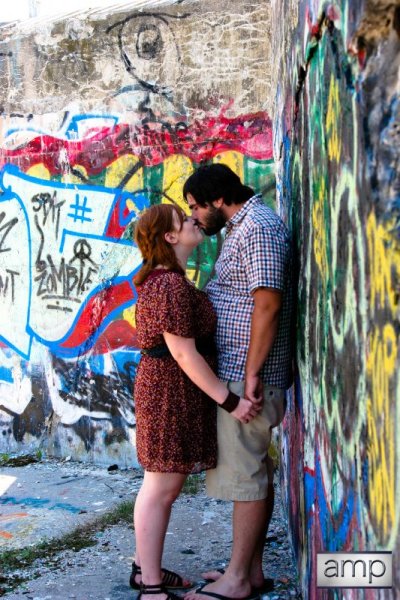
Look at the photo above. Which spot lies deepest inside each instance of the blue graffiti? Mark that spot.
(6, 375)
(72, 128)
(39, 503)
(80, 210)
(59, 268)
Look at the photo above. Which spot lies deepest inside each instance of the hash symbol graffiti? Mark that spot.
(80, 210)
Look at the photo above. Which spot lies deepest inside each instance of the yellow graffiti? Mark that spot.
(177, 169)
(117, 173)
(332, 120)
(40, 171)
(193, 275)
(73, 177)
(231, 159)
(129, 314)
(118, 170)
(319, 231)
(383, 374)
(381, 366)
(384, 259)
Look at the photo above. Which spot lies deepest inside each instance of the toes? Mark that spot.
(191, 595)
(212, 575)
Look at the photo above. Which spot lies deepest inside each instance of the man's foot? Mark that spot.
(258, 582)
(226, 586)
(213, 575)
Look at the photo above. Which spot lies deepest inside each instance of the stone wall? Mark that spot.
(102, 114)
(336, 144)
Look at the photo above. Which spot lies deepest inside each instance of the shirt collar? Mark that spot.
(240, 214)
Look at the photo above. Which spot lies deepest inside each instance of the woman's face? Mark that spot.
(188, 234)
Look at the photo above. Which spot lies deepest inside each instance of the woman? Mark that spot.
(176, 390)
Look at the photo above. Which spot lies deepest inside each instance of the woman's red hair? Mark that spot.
(150, 232)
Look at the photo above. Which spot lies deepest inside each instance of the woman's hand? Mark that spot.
(246, 411)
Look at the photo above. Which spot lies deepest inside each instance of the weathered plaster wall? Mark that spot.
(103, 114)
(336, 143)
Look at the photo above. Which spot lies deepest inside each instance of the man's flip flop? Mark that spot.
(202, 592)
(267, 586)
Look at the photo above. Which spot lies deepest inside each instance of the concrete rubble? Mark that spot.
(49, 499)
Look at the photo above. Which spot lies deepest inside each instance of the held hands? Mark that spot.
(242, 409)
(246, 411)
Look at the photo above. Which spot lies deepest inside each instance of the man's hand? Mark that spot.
(253, 390)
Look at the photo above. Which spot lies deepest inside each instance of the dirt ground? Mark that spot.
(199, 537)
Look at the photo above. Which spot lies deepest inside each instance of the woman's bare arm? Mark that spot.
(196, 368)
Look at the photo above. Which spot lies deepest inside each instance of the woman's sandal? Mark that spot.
(156, 589)
(169, 579)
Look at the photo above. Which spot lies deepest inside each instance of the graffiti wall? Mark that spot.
(101, 115)
(336, 142)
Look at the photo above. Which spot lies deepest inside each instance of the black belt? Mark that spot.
(203, 345)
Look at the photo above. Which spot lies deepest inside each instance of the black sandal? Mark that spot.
(157, 589)
(169, 579)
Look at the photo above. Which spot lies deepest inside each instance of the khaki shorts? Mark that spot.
(242, 467)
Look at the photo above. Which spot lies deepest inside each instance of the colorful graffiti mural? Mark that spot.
(70, 194)
(340, 447)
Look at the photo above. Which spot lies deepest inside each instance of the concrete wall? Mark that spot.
(336, 143)
(102, 114)
(105, 113)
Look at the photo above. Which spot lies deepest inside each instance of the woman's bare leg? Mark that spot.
(151, 517)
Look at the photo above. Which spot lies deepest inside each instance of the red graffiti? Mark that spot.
(118, 334)
(96, 312)
(151, 142)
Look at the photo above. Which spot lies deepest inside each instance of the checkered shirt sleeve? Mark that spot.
(264, 256)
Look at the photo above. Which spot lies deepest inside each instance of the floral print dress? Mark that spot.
(175, 420)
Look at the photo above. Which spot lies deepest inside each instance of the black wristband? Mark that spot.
(230, 402)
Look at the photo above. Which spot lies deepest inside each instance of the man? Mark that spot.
(252, 295)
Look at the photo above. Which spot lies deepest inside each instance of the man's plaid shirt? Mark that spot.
(256, 253)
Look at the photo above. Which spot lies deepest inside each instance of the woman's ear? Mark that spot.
(170, 237)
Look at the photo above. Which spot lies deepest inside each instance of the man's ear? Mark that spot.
(170, 237)
(218, 203)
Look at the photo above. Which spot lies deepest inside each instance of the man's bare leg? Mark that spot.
(248, 527)
(256, 572)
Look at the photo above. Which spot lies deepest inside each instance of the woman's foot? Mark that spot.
(156, 592)
(170, 579)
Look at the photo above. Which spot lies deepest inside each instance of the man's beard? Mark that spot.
(215, 221)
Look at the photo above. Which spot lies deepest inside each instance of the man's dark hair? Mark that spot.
(210, 182)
